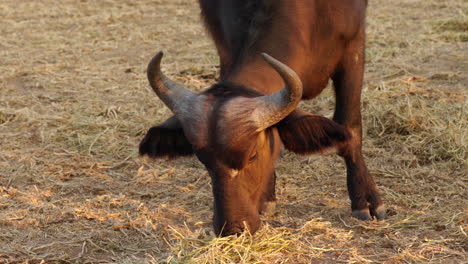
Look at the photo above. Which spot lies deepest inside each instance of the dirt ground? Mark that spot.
(74, 103)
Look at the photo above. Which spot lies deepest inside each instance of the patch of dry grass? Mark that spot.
(454, 29)
(74, 103)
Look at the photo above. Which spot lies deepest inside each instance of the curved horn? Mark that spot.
(171, 93)
(275, 107)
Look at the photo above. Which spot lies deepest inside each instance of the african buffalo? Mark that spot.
(238, 127)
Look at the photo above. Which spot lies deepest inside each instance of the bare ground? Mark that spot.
(74, 103)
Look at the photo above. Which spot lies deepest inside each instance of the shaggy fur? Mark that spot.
(233, 140)
(237, 26)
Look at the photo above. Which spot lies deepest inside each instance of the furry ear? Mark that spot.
(167, 139)
(304, 133)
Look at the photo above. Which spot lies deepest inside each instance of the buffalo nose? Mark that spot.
(231, 231)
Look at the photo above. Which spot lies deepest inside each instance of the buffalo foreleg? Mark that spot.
(269, 197)
(363, 192)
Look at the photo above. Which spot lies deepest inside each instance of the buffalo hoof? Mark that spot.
(380, 213)
(366, 215)
(268, 208)
(363, 215)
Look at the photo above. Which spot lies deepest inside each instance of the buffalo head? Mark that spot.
(237, 133)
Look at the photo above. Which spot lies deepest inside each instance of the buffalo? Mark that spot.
(272, 55)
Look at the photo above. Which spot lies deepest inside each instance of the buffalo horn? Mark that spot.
(275, 107)
(171, 93)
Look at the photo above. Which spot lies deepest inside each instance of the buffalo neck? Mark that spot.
(256, 74)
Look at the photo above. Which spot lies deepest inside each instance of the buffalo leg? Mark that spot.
(347, 80)
(269, 197)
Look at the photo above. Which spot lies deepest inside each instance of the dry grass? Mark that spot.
(74, 102)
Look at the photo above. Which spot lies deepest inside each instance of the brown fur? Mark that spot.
(237, 27)
(239, 131)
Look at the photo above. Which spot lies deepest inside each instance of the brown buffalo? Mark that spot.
(238, 127)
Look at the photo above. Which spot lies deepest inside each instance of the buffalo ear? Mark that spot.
(304, 133)
(166, 140)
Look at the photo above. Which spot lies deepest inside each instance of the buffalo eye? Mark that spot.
(253, 157)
